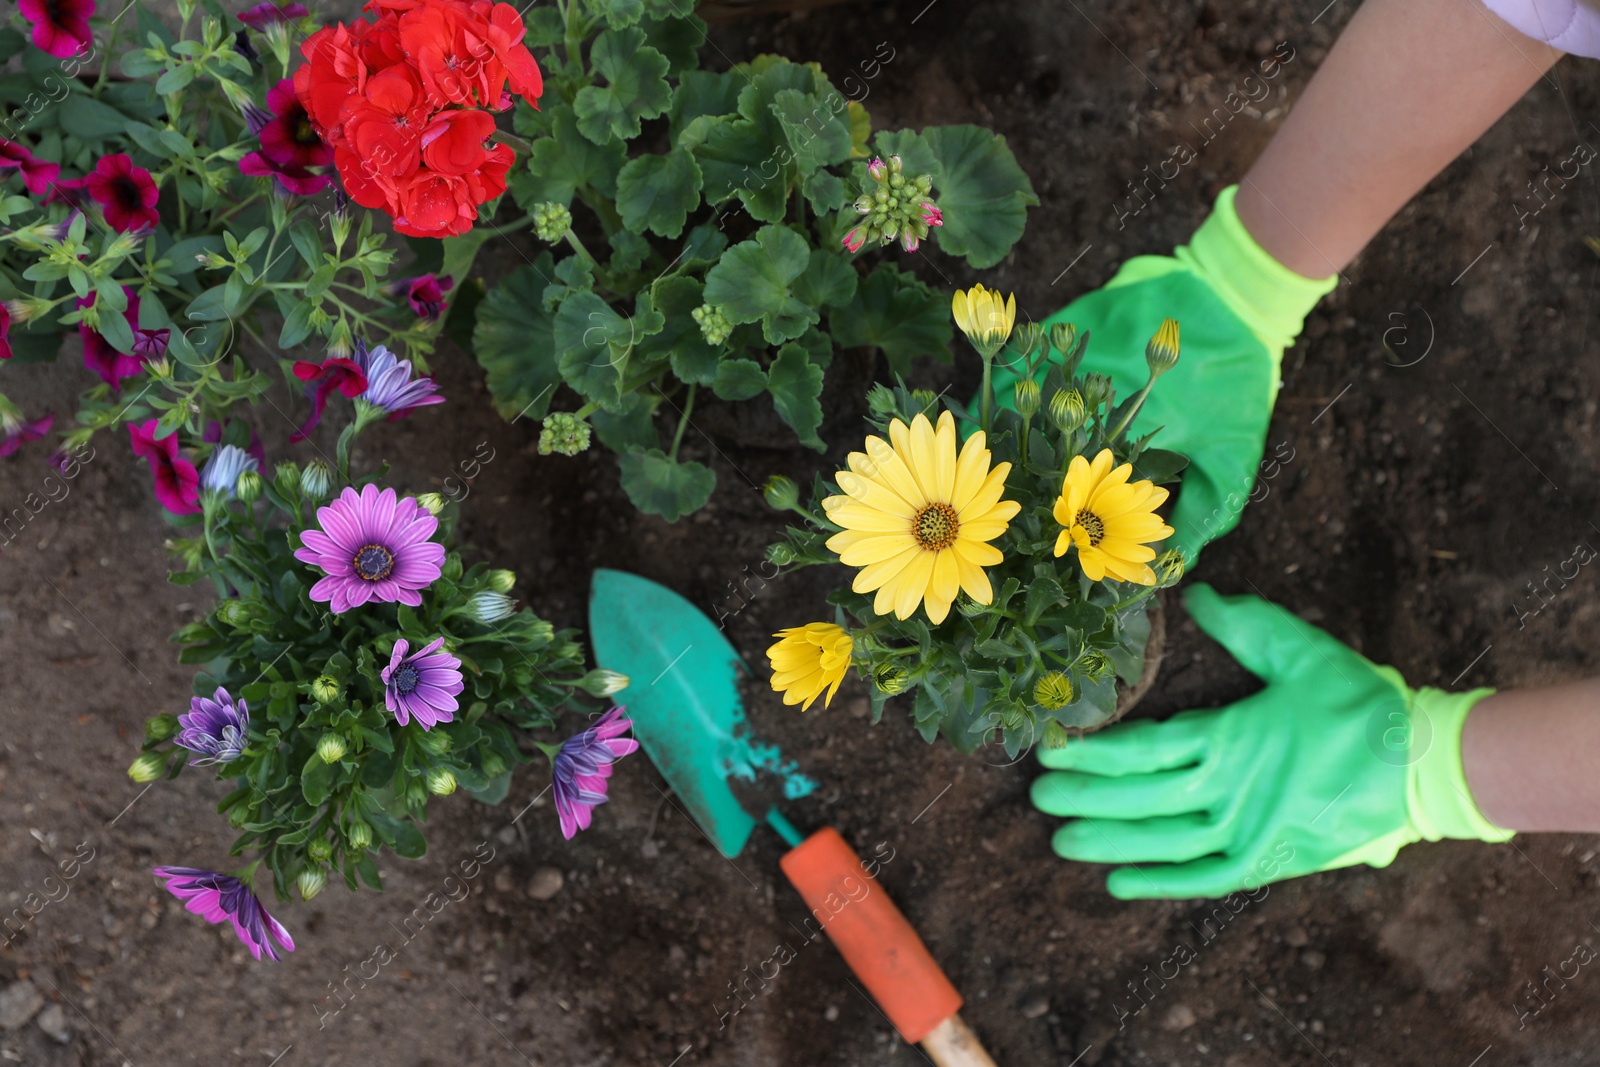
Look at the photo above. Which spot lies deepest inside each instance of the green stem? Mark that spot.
(511, 139)
(988, 391)
(677, 438)
(1138, 402)
(105, 63)
(577, 246)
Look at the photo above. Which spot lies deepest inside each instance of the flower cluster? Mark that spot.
(1037, 534)
(406, 102)
(290, 144)
(899, 206)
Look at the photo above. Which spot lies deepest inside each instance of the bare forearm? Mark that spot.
(1531, 757)
(1409, 85)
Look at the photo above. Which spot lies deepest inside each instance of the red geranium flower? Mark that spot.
(384, 125)
(37, 175)
(60, 27)
(344, 375)
(177, 483)
(453, 143)
(126, 193)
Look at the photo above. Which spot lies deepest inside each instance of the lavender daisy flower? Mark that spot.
(222, 470)
(389, 384)
(217, 727)
(422, 685)
(372, 547)
(217, 897)
(582, 767)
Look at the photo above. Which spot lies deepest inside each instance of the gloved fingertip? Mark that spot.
(1131, 883)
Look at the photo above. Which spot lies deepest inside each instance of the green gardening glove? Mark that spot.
(1336, 762)
(1238, 310)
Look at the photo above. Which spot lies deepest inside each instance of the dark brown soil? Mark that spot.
(1421, 501)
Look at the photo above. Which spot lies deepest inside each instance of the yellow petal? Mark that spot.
(890, 469)
(853, 515)
(946, 580)
(971, 467)
(875, 548)
(974, 580)
(875, 575)
(978, 553)
(912, 583)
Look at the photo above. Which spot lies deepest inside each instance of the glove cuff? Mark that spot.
(1272, 300)
(1438, 802)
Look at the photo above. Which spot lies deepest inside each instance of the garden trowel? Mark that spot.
(687, 714)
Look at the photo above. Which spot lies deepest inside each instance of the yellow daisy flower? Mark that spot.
(1111, 520)
(809, 659)
(917, 517)
(984, 317)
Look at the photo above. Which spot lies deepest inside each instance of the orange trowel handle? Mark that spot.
(875, 939)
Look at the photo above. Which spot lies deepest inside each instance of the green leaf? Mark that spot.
(661, 486)
(829, 280)
(637, 89)
(316, 781)
(494, 792)
(657, 193)
(89, 119)
(701, 92)
(796, 385)
(561, 163)
(977, 183)
(751, 282)
(824, 191)
(572, 275)
(818, 135)
(297, 324)
(897, 313)
(680, 340)
(629, 250)
(630, 427)
(1159, 465)
(514, 340)
(618, 14)
(592, 344)
(406, 839)
(737, 151)
(175, 79)
(543, 26)
(679, 39)
(739, 379)
(860, 129)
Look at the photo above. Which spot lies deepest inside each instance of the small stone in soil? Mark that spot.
(1313, 960)
(1296, 937)
(546, 883)
(53, 1021)
(649, 850)
(1180, 1017)
(19, 1002)
(831, 1013)
(1036, 1007)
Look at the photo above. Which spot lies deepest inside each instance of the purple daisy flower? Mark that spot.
(582, 767)
(372, 547)
(422, 685)
(389, 383)
(217, 727)
(217, 897)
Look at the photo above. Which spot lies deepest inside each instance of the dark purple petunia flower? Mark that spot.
(126, 194)
(335, 372)
(582, 767)
(372, 546)
(16, 429)
(422, 685)
(425, 294)
(266, 13)
(37, 174)
(217, 727)
(60, 27)
(218, 897)
(106, 361)
(389, 383)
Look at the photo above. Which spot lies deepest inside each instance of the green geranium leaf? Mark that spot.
(739, 379)
(860, 129)
(701, 92)
(679, 39)
(543, 27)
(572, 275)
(657, 193)
(629, 250)
(637, 90)
(796, 384)
(558, 164)
(817, 132)
(824, 191)
(977, 183)
(748, 154)
(680, 340)
(897, 313)
(829, 279)
(661, 486)
(752, 282)
(628, 428)
(619, 14)
(514, 340)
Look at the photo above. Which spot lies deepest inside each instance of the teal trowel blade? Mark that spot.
(683, 698)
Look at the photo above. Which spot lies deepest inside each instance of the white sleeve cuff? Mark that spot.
(1570, 25)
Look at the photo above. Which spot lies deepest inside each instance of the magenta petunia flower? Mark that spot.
(106, 361)
(292, 178)
(335, 372)
(37, 175)
(266, 13)
(218, 898)
(70, 191)
(126, 194)
(60, 27)
(425, 294)
(16, 431)
(5, 332)
(578, 781)
(289, 137)
(372, 546)
(177, 483)
(422, 685)
(217, 727)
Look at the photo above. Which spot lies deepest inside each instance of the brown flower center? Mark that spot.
(1092, 524)
(935, 527)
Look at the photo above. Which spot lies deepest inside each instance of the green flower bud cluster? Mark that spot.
(551, 221)
(714, 325)
(899, 207)
(565, 433)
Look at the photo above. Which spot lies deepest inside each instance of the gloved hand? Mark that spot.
(1336, 762)
(1238, 310)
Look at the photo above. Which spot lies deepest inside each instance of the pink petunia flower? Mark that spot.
(60, 27)
(126, 193)
(177, 482)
